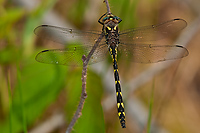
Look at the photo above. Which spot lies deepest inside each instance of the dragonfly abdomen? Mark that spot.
(120, 104)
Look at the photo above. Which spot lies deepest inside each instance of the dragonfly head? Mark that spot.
(110, 22)
(109, 17)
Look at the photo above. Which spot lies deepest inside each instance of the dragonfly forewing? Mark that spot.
(71, 54)
(66, 35)
(152, 32)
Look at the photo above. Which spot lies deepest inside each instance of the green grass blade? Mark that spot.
(21, 100)
(150, 108)
(10, 103)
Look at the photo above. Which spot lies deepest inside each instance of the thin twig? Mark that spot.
(84, 93)
(93, 49)
(83, 78)
(107, 6)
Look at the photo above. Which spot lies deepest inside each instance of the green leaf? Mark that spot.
(40, 85)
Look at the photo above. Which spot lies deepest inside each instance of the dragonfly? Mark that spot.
(137, 45)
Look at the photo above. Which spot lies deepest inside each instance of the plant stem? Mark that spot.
(83, 78)
(84, 93)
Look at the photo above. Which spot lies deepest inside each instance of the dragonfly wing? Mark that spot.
(147, 53)
(152, 32)
(99, 54)
(71, 55)
(66, 35)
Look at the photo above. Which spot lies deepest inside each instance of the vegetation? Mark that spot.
(33, 92)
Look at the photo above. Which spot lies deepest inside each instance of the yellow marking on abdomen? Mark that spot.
(116, 70)
(118, 104)
(122, 105)
(119, 113)
(123, 114)
(117, 81)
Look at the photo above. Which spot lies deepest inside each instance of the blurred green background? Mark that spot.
(33, 94)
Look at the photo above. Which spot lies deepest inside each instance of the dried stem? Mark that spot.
(108, 7)
(84, 76)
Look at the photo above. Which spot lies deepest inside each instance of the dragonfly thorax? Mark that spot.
(110, 27)
(111, 33)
